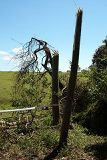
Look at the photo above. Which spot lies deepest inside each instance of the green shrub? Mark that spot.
(30, 90)
(82, 97)
(98, 87)
(94, 118)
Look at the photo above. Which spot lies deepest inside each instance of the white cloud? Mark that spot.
(2, 53)
(9, 61)
(6, 56)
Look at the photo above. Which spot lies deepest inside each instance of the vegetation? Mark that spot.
(100, 56)
(87, 135)
(30, 90)
(6, 83)
(40, 138)
(94, 117)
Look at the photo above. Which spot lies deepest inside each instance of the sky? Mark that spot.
(54, 22)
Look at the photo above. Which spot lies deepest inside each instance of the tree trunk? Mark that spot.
(72, 81)
(55, 86)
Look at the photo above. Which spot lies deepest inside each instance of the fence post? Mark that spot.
(72, 81)
(55, 86)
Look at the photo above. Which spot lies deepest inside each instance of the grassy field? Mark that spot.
(7, 80)
(6, 83)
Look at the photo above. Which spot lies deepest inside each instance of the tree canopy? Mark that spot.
(100, 56)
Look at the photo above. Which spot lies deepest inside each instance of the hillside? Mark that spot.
(6, 83)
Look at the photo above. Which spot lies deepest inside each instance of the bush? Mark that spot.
(94, 118)
(82, 96)
(98, 87)
(30, 90)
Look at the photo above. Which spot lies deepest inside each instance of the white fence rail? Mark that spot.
(17, 110)
(3, 122)
(24, 109)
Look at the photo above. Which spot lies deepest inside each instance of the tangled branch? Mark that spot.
(35, 55)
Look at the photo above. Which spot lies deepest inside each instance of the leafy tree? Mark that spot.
(98, 85)
(98, 72)
(94, 118)
(100, 56)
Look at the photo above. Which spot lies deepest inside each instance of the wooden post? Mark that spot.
(55, 86)
(61, 86)
(72, 81)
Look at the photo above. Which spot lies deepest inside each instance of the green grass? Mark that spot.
(7, 80)
(43, 138)
(6, 83)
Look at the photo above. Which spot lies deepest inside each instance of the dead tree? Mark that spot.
(29, 57)
(72, 81)
(37, 54)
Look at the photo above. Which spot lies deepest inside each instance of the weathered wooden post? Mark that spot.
(72, 80)
(55, 86)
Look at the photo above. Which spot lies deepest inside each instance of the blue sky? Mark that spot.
(54, 22)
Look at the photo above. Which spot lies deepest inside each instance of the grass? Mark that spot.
(6, 83)
(39, 139)
(7, 80)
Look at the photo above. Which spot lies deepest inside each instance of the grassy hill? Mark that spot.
(6, 83)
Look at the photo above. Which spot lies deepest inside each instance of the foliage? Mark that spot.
(42, 138)
(98, 87)
(94, 117)
(90, 103)
(84, 75)
(82, 96)
(31, 90)
(100, 56)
